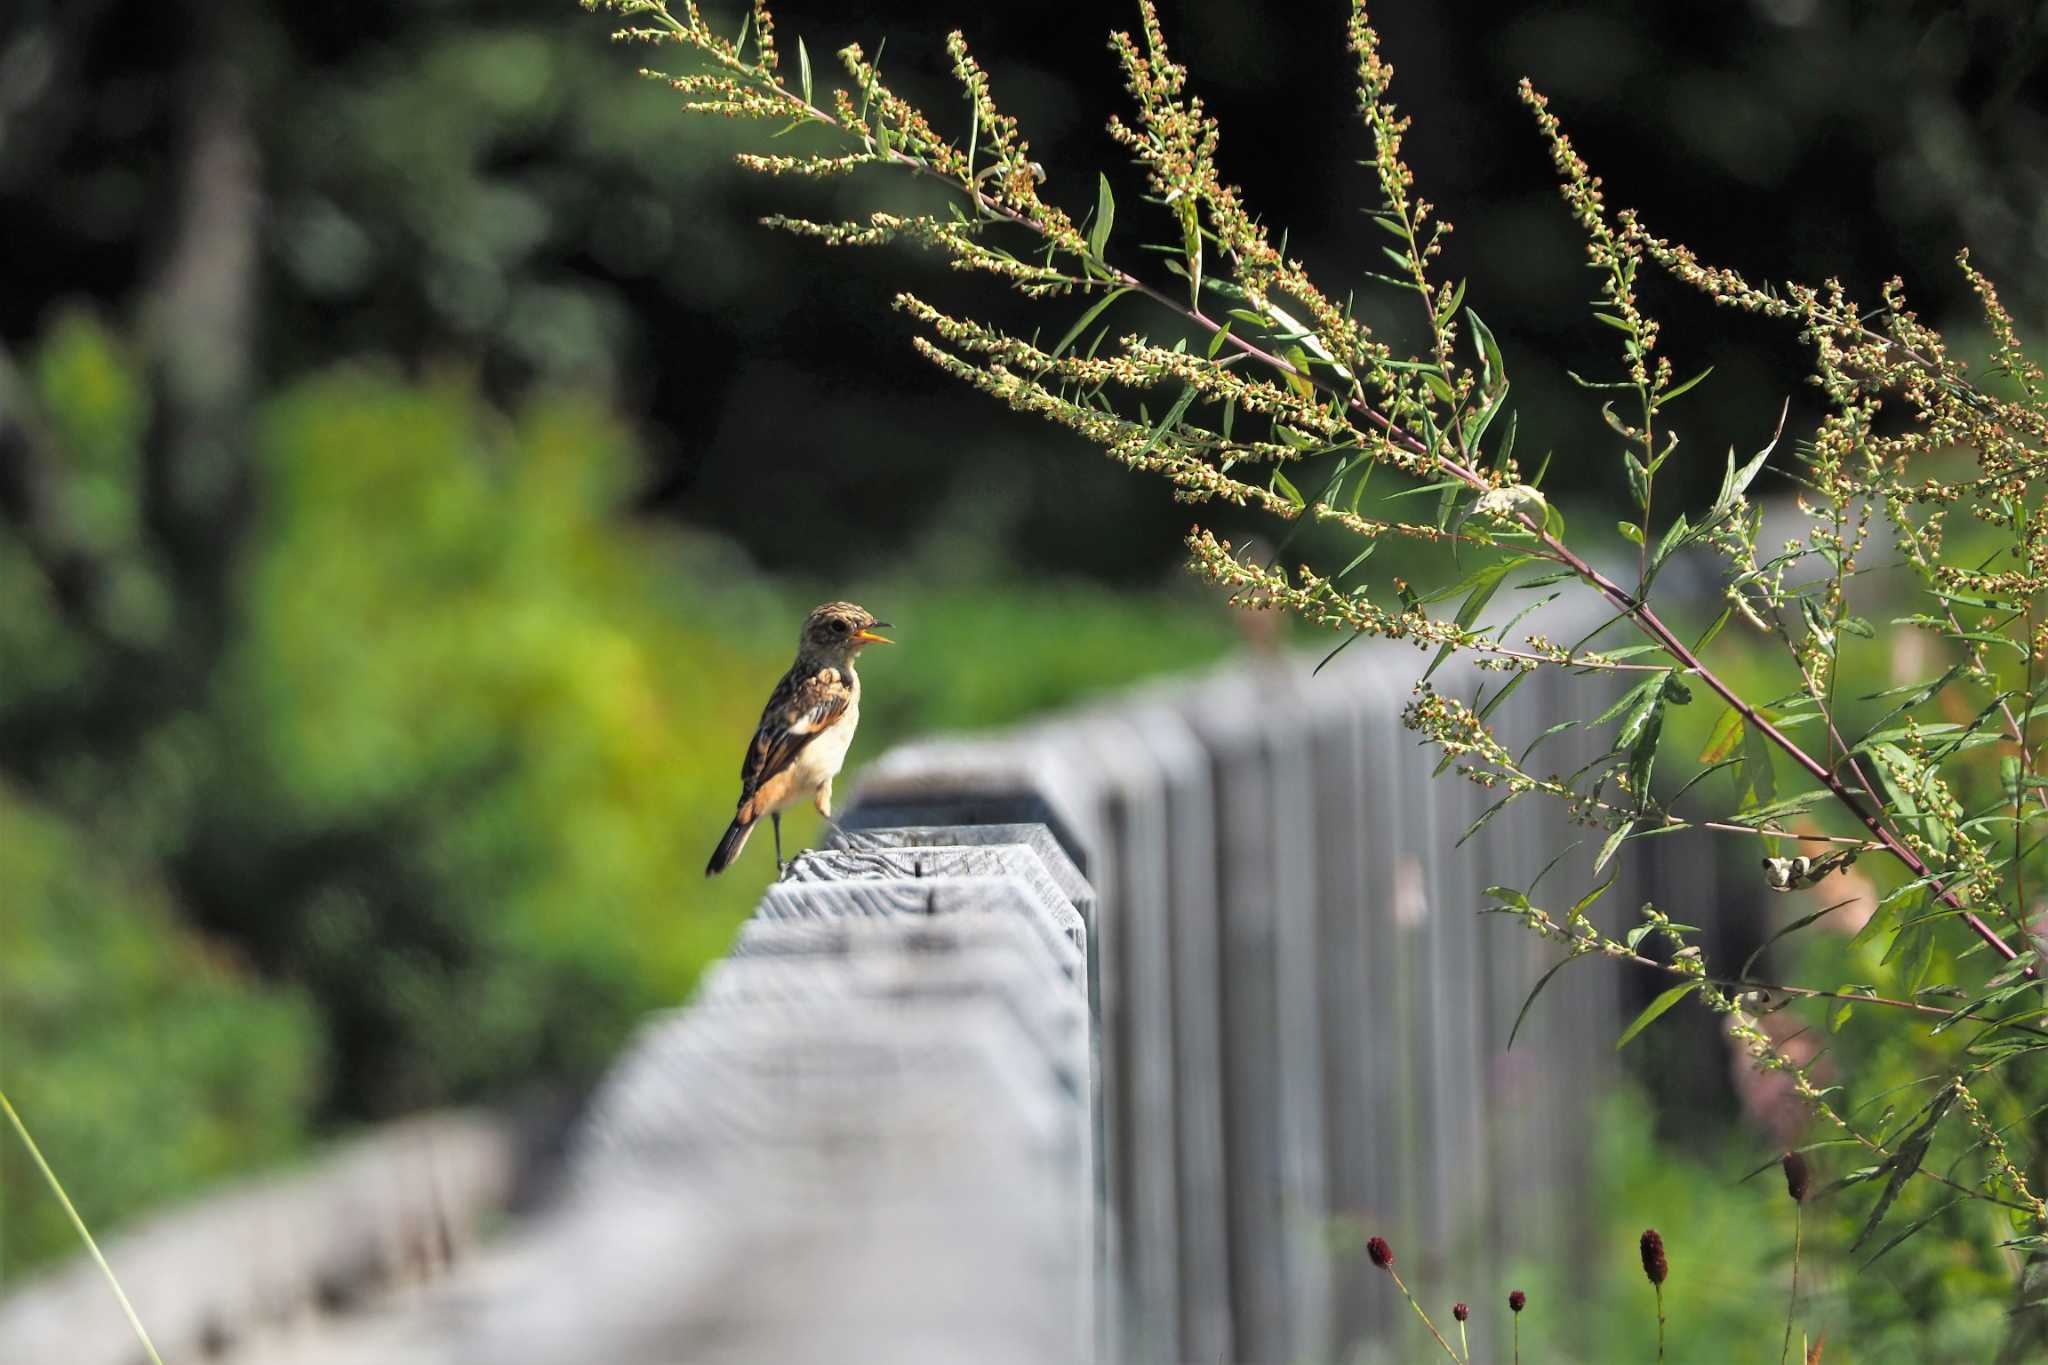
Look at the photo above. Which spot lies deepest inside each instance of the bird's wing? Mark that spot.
(803, 707)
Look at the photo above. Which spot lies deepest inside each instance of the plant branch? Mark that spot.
(1637, 611)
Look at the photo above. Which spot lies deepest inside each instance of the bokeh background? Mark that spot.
(414, 462)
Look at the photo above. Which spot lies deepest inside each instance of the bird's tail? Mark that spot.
(729, 847)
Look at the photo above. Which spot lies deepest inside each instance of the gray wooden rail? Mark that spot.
(1109, 1037)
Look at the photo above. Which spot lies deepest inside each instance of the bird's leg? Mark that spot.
(775, 821)
(823, 801)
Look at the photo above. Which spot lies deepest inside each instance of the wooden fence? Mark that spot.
(1110, 1037)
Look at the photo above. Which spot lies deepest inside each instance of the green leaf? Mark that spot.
(1551, 866)
(1356, 560)
(1486, 815)
(1450, 307)
(1651, 694)
(1420, 489)
(1191, 246)
(1483, 584)
(1794, 927)
(1630, 532)
(1652, 1010)
(1904, 1161)
(1910, 1229)
(1778, 810)
(1727, 736)
(1613, 842)
(803, 67)
(1105, 215)
(1556, 729)
(1638, 479)
(1913, 945)
(1587, 901)
(1630, 699)
(1173, 415)
(1502, 695)
(1702, 775)
(1094, 312)
(1641, 739)
(1523, 1013)
(1736, 482)
(1492, 369)
(1727, 614)
(1287, 488)
(1759, 773)
(1342, 645)
(1477, 423)
(1677, 389)
(1673, 538)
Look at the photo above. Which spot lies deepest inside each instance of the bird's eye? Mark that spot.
(839, 627)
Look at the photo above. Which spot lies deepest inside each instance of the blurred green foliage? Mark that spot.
(429, 823)
(146, 1054)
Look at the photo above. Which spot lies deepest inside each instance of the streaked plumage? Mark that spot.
(805, 729)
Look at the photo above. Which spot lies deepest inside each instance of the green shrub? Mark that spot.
(148, 1059)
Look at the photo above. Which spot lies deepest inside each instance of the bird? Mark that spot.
(805, 729)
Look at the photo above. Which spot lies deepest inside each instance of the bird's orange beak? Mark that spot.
(868, 636)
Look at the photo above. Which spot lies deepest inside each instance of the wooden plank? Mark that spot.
(1059, 925)
(1101, 1268)
(395, 1207)
(1038, 838)
(1223, 713)
(975, 781)
(1197, 1023)
(1126, 796)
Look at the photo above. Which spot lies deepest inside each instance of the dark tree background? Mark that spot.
(481, 182)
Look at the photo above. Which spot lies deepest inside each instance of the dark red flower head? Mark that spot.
(1798, 1179)
(1460, 1311)
(1654, 1264)
(1382, 1255)
(1517, 1301)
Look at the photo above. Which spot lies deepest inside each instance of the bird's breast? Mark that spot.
(820, 760)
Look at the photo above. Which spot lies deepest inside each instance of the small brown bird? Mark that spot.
(806, 728)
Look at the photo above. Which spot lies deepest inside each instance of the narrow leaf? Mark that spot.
(1523, 1013)
(1725, 739)
(1654, 1009)
(1613, 842)
(1105, 215)
(1094, 312)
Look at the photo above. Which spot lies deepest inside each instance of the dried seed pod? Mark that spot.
(1798, 1177)
(1654, 1264)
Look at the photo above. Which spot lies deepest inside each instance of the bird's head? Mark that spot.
(839, 630)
